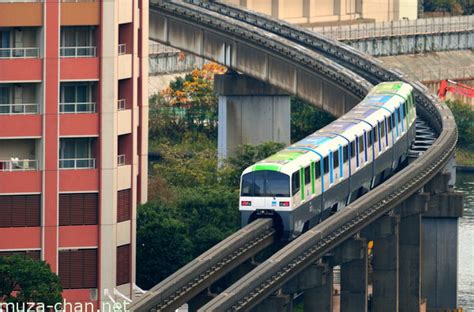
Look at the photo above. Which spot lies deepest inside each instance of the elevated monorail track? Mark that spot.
(203, 271)
(351, 70)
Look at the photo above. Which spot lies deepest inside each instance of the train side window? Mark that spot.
(376, 133)
(382, 130)
(370, 138)
(336, 159)
(344, 153)
(317, 170)
(353, 149)
(389, 123)
(361, 144)
(295, 183)
(405, 105)
(307, 177)
(326, 164)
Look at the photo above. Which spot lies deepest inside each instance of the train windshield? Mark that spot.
(265, 183)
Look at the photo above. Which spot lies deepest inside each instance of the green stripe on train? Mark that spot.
(270, 167)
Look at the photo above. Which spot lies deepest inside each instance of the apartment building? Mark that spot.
(73, 138)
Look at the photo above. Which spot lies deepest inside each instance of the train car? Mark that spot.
(313, 178)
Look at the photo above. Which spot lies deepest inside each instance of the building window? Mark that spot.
(78, 41)
(18, 99)
(123, 205)
(78, 97)
(78, 268)
(123, 264)
(76, 153)
(18, 42)
(20, 211)
(78, 209)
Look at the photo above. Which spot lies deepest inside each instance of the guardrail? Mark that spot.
(77, 163)
(77, 108)
(122, 49)
(18, 165)
(398, 28)
(121, 160)
(88, 51)
(19, 109)
(10, 53)
(122, 104)
(20, 1)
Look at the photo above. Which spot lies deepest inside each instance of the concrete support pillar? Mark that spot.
(354, 276)
(440, 244)
(319, 298)
(250, 112)
(276, 303)
(410, 251)
(386, 264)
(199, 301)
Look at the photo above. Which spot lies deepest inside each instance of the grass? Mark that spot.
(465, 157)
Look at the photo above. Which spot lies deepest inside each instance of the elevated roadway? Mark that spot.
(314, 68)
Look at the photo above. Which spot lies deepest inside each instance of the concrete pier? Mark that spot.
(354, 276)
(250, 112)
(440, 244)
(385, 263)
(410, 251)
(319, 297)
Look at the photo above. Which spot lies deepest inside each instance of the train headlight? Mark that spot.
(246, 203)
(285, 204)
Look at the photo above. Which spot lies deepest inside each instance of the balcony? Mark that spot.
(21, 13)
(86, 51)
(77, 153)
(10, 53)
(124, 121)
(19, 166)
(20, 53)
(80, 12)
(77, 108)
(124, 177)
(124, 62)
(19, 110)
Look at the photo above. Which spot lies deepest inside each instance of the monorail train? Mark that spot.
(308, 181)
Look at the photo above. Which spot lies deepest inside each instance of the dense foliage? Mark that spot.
(452, 6)
(193, 202)
(24, 280)
(464, 116)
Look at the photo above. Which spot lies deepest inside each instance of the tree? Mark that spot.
(464, 116)
(24, 280)
(306, 119)
(245, 156)
(163, 243)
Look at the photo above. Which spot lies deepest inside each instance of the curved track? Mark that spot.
(355, 73)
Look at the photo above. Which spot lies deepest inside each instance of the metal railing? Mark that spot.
(18, 165)
(9, 53)
(121, 160)
(77, 1)
(77, 108)
(22, 108)
(22, 1)
(78, 51)
(122, 104)
(158, 48)
(77, 163)
(122, 49)
(398, 28)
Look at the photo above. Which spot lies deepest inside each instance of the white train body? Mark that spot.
(311, 179)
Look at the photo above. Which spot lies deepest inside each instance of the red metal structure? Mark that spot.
(454, 87)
